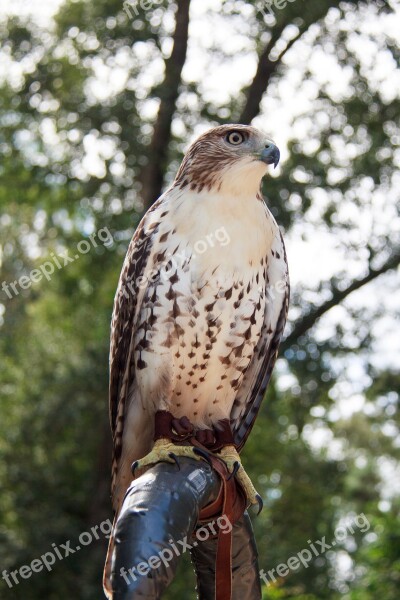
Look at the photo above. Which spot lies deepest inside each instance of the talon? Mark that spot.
(231, 458)
(260, 503)
(236, 468)
(202, 453)
(175, 459)
(164, 451)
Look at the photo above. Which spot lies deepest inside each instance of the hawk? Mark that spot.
(201, 304)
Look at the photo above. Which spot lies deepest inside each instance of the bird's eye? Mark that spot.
(235, 138)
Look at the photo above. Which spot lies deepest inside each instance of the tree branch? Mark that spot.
(309, 319)
(267, 67)
(153, 173)
(259, 85)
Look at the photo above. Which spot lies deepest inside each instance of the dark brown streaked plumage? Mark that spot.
(201, 302)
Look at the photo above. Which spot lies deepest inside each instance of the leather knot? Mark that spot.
(183, 431)
(183, 427)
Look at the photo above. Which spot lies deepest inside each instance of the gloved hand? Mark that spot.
(155, 527)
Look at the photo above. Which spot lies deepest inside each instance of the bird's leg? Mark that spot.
(164, 450)
(231, 458)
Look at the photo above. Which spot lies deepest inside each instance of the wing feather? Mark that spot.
(127, 305)
(258, 373)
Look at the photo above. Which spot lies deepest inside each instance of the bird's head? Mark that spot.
(229, 159)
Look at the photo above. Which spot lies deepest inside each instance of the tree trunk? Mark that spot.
(153, 173)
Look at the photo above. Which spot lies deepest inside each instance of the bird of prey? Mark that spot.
(200, 306)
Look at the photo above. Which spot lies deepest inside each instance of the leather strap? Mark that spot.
(182, 430)
(231, 503)
(231, 500)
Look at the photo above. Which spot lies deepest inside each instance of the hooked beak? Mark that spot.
(270, 154)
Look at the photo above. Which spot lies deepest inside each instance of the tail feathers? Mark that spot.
(107, 587)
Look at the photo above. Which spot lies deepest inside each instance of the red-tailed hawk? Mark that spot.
(201, 302)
